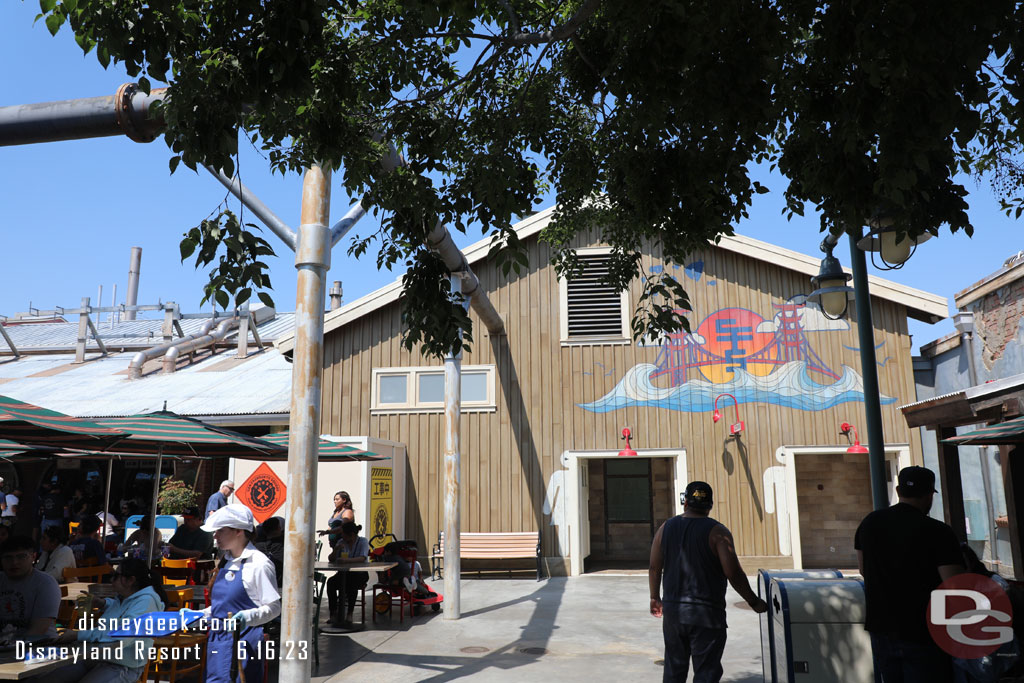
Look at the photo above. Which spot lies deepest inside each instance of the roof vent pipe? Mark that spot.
(336, 295)
(135, 367)
(132, 298)
(170, 362)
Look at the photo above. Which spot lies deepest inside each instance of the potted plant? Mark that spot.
(176, 496)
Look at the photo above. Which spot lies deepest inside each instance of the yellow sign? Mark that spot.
(380, 501)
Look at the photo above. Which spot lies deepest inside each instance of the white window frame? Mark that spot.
(563, 308)
(413, 404)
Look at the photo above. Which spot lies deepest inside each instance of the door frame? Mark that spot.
(575, 513)
(896, 454)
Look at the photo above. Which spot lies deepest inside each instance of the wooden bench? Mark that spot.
(513, 545)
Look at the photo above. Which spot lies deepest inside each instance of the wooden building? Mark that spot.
(544, 405)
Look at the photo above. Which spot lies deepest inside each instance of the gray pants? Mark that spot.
(684, 642)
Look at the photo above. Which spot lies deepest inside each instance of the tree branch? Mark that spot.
(520, 39)
(513, 19)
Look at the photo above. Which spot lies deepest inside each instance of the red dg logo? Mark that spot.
(969, 616)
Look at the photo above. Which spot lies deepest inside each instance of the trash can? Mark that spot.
(819, 631)
(764, 582)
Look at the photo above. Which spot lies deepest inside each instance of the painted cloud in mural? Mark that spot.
(812, 319)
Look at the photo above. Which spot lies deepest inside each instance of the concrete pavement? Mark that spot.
(594, 627)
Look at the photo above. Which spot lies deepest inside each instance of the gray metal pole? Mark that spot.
(156, 496)
(312, 260)
(132, 297)
(452, 477)
(869, 372)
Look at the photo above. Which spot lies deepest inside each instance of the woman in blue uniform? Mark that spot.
(245, 587)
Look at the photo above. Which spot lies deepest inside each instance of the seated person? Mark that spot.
(138, 593)
(56, 555)
(86, 544)
(273, 544)
(110, 526)
(190, 541)
(350, 548)
(137, 544)
(29, 599)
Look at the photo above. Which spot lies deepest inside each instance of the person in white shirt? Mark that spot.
(245, 587)
(56, 555)
(10, 504)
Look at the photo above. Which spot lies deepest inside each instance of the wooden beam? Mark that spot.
(951, 483)
(1013, 470)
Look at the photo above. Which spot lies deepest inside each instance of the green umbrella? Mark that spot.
(1001, 433)
(27, 423)
(327, 450)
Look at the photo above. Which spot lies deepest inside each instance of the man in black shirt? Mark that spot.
(904, 555)
(697, 556)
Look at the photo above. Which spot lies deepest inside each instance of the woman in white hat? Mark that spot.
(245, 587)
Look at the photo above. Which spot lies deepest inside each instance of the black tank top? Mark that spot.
(693, 584)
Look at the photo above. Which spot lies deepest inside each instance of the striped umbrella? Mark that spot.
(166, 433)
(1002, 433)
(27, 423)
(327, 450)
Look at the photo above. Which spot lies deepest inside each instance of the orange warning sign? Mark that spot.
(263, 493)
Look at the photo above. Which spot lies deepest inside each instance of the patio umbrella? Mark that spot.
(27, 423)
(1001, 433)
(166, 433)
(327, 450)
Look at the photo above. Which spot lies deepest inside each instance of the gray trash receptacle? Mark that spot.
(764, 581)
(819, 631)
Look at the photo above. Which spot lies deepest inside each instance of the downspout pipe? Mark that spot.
(964, 323)
(135, 367)
(170, 363)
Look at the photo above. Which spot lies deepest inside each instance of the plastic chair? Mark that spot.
(67, 614)
(179, 668)
(184, 577)
(319, 581)
(95, 574)
(179, 597)
(72, 527)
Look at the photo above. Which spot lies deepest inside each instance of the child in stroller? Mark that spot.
(407, 574)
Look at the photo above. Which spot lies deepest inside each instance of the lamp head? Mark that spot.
(893, 247)
(716, 416)
(830, 288)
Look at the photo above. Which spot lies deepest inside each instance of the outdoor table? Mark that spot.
(13, 670)
(375, 567)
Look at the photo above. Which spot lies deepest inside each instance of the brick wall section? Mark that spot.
(627, 541)
(997, 318)
(833, 495)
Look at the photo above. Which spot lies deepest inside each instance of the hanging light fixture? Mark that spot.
(894, 248)
(846, 428)
(831, 292)
(628, 451)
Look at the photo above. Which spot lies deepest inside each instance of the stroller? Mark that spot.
(403, 582)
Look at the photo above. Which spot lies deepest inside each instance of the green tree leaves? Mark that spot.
(237, 252)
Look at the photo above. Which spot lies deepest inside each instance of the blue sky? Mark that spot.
(70, 211)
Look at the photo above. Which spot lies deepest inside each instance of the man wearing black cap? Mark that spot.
(189, 540)
(697, 556)
(903, 555)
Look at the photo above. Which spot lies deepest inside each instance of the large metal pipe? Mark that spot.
(452, 479)
(170, 362)
(140, 358)
(440, 241)
(253, 203)
(312, 260)
(134, 266)
(124, 113)
(336, 295)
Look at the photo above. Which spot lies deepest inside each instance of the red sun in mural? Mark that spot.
(731, 335)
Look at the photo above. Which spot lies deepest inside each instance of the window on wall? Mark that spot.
(593, 311)
(422, 389)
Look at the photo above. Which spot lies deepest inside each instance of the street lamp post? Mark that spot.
(832, 292)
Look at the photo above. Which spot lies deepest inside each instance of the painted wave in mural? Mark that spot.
(790, 386)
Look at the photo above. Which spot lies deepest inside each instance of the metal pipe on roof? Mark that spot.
(124, 113)
(135, 367)
(170, 362)
(336, 294)
(134, 266)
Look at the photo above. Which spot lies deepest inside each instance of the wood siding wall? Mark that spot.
(509, 455)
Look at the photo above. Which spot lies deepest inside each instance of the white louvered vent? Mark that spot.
(594, 309)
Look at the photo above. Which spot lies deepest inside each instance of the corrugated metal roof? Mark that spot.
(916, 404)
(127, 334)
(260, 384)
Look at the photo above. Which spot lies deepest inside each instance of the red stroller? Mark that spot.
(394, 583)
